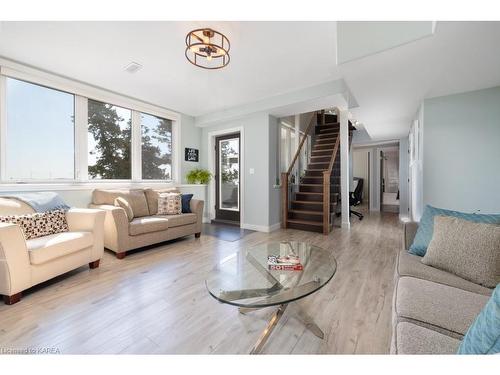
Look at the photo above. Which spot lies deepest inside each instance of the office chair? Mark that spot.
(355, 198)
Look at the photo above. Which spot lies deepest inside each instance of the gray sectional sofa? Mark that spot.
(432, 309)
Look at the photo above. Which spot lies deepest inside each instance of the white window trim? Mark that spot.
(82, 92)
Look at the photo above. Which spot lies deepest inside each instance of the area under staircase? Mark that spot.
(311, 186)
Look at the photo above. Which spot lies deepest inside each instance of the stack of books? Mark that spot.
(284, 263)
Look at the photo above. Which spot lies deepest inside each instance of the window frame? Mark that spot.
(83, 92)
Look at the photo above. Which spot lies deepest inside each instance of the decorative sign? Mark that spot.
(191, 154)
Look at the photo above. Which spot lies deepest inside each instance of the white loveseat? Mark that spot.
(25, 263)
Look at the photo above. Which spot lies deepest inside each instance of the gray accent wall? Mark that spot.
(461, 146)
(259, 197)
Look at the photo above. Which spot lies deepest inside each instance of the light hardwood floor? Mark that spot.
(155, 301)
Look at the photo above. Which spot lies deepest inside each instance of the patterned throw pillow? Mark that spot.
(39, 224)
(170, 204)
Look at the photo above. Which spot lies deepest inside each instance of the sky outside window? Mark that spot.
(40, 132)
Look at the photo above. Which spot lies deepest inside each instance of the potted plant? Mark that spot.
(198, 176)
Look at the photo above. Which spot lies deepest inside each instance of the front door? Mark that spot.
(227, 177)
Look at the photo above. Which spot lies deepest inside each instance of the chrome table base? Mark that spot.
(304, 317)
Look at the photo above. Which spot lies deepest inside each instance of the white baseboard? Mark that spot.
(261, 228)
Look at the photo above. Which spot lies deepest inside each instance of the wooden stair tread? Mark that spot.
(308, 202)
(306, 222)
(324, 144)
(314, 192)
(306, 212)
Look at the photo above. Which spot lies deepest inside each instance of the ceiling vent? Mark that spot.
(133, 67)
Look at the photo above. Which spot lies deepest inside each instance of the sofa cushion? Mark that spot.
(411, 265)
(39, 224)
(47, 248)
(426, 225)
(148, 224)
(123, 203)
(152, 197)
(135, 197)
(436, 304)
(178, 220)
(483, 336)
(414, 339)
(466, 249)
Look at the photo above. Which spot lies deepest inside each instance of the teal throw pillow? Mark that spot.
(483, 336)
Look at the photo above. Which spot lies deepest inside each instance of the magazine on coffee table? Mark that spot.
(284, 263)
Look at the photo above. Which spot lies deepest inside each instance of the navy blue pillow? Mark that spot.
(186, 201)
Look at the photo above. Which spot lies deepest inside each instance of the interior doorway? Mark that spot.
(227, 179)
(389, 179)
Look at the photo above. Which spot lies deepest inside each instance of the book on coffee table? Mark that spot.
(284, 263)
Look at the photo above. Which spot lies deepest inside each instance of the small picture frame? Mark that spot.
(191, 154)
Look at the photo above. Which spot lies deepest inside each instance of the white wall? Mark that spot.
(461, 151)
(416, 175)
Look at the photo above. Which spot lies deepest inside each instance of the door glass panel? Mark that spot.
(229, 167)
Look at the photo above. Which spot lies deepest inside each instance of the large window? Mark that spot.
(109, 141)
(156, 142)
(57, 135)
(39, 133)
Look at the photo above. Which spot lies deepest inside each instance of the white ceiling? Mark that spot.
(389, 86)
(267, 59)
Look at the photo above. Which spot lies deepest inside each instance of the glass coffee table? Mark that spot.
(243, 279)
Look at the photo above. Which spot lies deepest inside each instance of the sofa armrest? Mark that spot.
(410, 229)
(89, 220)
(15, 273)
(115, 227)
(196, 207)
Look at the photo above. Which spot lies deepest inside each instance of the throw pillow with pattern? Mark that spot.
(39, 224)
(170, 204)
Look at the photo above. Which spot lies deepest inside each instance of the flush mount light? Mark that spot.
(207, 49)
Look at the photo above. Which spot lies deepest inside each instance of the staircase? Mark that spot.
(305, 204)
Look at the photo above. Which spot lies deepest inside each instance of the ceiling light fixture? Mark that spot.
(207, 48)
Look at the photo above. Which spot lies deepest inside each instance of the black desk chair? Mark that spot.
(356, 198)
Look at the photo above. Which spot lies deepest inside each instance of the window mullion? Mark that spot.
(136, 149)
(81, 141)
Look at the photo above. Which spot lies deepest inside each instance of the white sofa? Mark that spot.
(25, 263)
